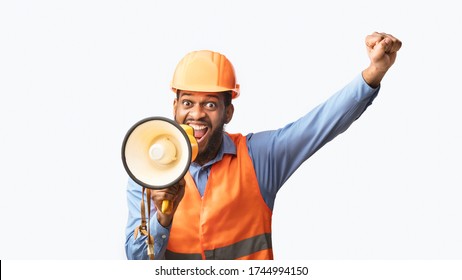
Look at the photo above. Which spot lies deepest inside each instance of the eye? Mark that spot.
(210, 105)
(186, 103)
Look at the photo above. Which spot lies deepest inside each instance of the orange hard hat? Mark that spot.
(205, 71)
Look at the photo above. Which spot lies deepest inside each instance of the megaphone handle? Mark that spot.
(166, 207)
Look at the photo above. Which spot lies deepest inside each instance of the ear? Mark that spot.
(229, 113)
(175, 104)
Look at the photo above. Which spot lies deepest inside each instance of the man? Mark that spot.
(223, 207)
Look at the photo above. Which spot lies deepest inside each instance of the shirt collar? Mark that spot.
(227, 147)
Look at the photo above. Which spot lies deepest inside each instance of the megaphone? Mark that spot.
(157, 152)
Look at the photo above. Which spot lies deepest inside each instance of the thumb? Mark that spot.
(381, 48)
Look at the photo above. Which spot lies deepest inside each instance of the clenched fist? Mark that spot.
(174, 194)
(382, 49)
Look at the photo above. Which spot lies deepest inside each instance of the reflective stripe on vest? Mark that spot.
(169, 255)
(235, 251)
(241, 248)
(230, 221)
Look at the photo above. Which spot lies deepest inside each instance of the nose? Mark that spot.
(197, 112)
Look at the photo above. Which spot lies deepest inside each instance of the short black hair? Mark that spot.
(228, 97)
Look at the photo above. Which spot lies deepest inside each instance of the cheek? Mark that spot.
(178, 116)
(218, 120)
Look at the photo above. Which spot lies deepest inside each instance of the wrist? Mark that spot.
(164, 220)
(373, 75)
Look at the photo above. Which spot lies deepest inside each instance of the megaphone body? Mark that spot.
(157, 153)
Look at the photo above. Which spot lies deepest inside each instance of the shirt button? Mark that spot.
(164, 236)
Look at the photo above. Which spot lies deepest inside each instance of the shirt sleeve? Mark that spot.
(278, 153)
(136, 249)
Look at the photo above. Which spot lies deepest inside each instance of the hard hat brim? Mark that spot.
(208, 88)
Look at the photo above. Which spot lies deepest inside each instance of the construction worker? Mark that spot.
(222, 208)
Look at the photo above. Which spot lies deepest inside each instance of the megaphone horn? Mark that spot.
(157, 152)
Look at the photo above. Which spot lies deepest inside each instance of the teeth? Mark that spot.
(198, 127)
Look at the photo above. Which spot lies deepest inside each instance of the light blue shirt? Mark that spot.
(275, 154)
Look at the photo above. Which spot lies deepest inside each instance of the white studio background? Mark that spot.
(75, 75)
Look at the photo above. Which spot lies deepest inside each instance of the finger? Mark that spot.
(380, 48)
(373, 39)
(394, 43)
(386, 44)
(159, 196)
(179, 187)
(181, 192)
(170, 193)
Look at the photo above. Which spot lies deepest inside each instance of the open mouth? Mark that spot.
(199, 131)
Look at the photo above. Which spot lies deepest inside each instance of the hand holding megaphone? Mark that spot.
(173, 194)
(156, 154)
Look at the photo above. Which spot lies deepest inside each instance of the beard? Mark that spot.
(214, 144)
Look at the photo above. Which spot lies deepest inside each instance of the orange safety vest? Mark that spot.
(230, 221)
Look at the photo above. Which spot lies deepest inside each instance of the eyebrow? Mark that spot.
(208, 95)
